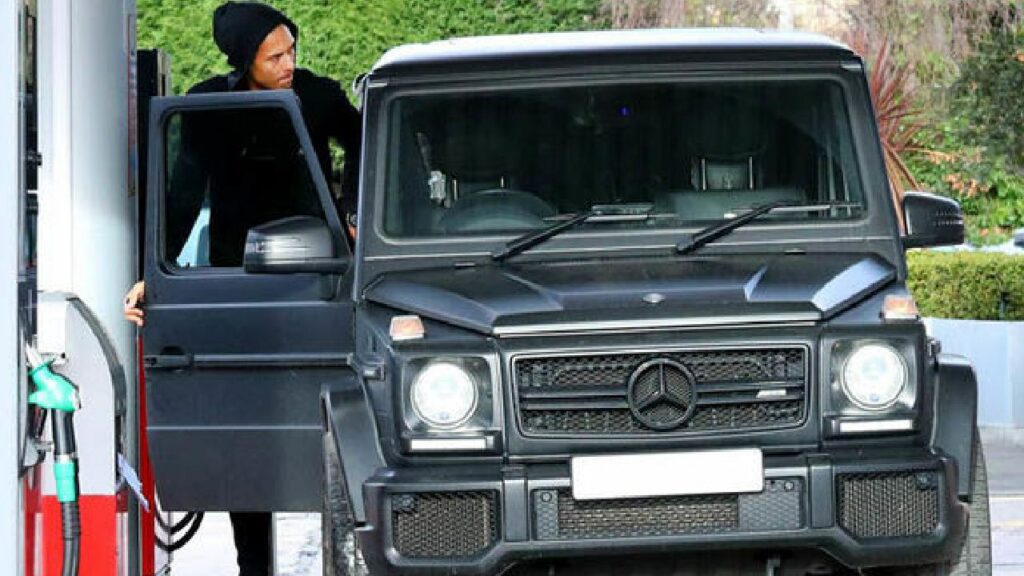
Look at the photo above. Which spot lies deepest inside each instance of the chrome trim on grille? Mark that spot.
(654, 323)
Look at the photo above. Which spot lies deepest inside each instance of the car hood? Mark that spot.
(558, 297)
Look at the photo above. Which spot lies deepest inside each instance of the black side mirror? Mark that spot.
(931, 220)
(294, 244)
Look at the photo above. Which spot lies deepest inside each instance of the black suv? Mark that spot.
(617, 293)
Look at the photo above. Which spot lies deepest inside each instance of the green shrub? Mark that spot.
(967, 285)
(991, 193)
(342, 39)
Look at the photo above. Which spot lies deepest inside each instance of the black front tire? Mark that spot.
(975, 558)
(341, 553)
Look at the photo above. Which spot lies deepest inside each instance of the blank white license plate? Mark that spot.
(667, 474)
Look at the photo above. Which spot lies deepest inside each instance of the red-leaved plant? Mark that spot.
(898, 119)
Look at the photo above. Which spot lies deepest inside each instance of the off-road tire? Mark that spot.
(341, 553)
(975, 556)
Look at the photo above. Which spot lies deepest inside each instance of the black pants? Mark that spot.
(253, 542)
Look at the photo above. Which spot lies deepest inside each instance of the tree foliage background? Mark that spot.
(690, 13)
(959, 123)
(343, 38)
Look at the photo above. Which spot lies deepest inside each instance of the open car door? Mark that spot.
(248, 303)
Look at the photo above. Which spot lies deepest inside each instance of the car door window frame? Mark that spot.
(163, 109)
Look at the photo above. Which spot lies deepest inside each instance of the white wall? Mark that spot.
(996, 349)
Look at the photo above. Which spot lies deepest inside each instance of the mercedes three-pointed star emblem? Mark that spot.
(662, 394)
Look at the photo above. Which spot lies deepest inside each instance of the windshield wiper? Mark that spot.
(723, 227)
(531, 239)
(601, 213)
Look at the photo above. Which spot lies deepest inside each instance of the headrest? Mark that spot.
(726, 129)
(709, 174)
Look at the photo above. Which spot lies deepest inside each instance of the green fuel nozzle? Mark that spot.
(56, 393)
(53, 391)
(59, 396)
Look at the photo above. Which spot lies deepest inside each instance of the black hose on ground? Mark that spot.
(177, 526)
(197, 521)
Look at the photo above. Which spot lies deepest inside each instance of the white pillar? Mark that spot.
(86, 212)
(10, 354)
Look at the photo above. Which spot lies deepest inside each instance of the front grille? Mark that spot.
(557, 516)
(637, 517)
(591, 394)
(887, 505)
(444, 524)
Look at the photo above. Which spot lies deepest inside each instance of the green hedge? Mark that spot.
(343, 38)
(967, 285)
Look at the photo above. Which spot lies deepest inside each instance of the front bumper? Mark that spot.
(864, 510)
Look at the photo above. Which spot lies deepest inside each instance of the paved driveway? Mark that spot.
(1005, 461)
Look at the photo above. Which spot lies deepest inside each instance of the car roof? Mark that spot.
(674, 44)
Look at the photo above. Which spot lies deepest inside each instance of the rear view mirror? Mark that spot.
(931, 220)
(295, 244)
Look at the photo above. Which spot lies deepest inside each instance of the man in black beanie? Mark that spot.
(260, 42)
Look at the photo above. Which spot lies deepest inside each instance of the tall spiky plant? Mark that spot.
(899, 120)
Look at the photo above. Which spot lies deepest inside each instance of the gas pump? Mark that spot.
(74, 111)
(68, 250)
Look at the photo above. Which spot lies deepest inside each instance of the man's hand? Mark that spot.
(133, 304)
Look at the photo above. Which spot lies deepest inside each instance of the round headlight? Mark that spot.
(443, 395)
(873, 376)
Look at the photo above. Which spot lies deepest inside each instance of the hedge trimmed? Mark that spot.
(967, 285)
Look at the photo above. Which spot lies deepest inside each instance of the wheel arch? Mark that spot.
(956, 414)
(348, 420)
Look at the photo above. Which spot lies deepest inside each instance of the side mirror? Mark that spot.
(294, 244)
(931, 220)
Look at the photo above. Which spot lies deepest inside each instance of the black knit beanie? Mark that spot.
(240, 27)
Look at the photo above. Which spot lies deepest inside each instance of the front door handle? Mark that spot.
(167, 361)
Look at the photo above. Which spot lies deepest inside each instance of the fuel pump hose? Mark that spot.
(57, 394)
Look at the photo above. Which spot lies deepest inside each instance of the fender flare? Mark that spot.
(956, 414)
(349, 420)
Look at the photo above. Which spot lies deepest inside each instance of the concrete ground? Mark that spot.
(297, 536)
(1004, 455)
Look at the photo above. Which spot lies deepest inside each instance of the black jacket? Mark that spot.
(326, 110)
(210, 166)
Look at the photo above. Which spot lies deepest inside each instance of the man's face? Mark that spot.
(274, 64)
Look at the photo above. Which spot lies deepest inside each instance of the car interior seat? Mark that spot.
(728, 142)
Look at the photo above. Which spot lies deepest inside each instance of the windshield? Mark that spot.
(512, 161)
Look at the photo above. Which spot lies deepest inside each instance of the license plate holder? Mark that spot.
(729, 471)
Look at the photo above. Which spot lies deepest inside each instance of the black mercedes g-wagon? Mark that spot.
(611, 298)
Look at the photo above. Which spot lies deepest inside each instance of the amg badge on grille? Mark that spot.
(662, 394)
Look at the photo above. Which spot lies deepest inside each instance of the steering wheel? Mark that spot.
(498, 210)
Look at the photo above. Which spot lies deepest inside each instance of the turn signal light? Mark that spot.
(406, 328)
(897, 308)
